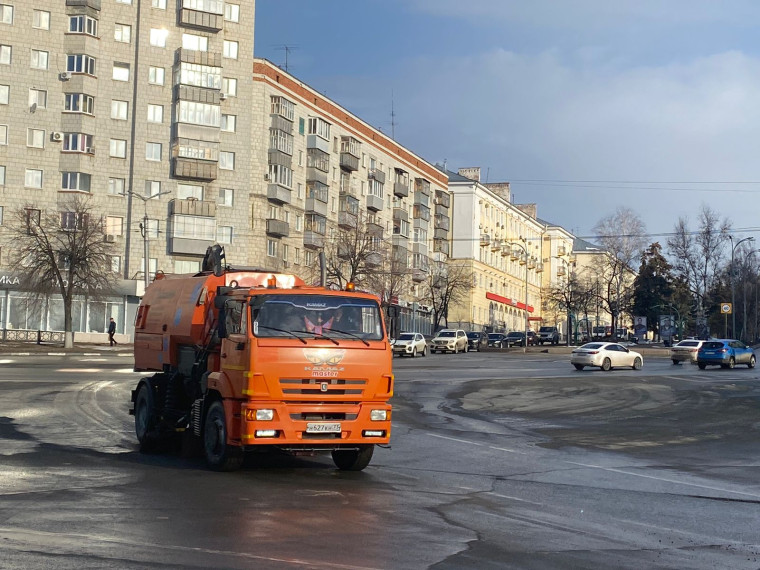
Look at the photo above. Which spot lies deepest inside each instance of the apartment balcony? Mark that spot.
(348, 161)
(485, 240)
(422, 248)
(377, 174)
(194, 169)
(442, 222)
(373, 260)
(201, 20)
(374, 203)
(400, 214)
(316, 175)
(94, 4)
(316, 206)
(278, 193)
(443, 198)
(314, 141)
(210, 58)
(421, 211)
(400, 241)
(347, 220)
(277, 228)
(400, 256)
(374, 230)
(441, 246)
(204, 208)
(418, 275)
(281, 124)
(400, 189)
(440, 233)
(421, 223)
(441, 210)
(188, 246)
(422, 185)
(313, 240)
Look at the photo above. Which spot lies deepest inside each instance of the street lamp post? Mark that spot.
(568, 263)
(524, 258)
(733, 304)
(144, 233)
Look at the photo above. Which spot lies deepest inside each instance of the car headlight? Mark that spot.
(264, 415)
(378, 415)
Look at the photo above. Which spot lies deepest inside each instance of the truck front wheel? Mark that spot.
(145, 419)
(353, 459)
(219, 455)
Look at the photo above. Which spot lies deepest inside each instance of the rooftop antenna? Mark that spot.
(287, 49)
(488, 172)
(393, 118)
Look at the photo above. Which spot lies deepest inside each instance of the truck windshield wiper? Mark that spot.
(350, 334)
(325, 337)
(284, 331)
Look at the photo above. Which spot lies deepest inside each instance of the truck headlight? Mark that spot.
(264, 415)
(378, 415)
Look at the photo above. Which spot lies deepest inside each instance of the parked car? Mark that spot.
(725, 353)
(410, 344)
(477, 340)
(514, 338)
(496, 340)
(685, 351)
(532, 338)
(449, 340)
(605, 355)
(548, 334)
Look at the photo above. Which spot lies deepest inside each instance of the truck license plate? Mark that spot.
(323, 427)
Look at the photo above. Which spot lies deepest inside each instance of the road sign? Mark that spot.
(726, 308)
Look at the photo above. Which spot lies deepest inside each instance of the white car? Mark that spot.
(410, 344)
(605, 355)
(685, 351)
(449, 340)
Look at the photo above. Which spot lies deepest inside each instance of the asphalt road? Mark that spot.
(498, 461)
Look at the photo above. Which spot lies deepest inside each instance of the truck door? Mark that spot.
(235, 346)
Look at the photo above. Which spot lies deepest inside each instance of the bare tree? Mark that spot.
(63, 251)
(574, 295)
(695, 256)
(447, 284)
(622, 236)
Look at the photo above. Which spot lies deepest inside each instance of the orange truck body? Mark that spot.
(237, 391)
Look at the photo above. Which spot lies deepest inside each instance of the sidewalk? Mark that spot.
(18, 348)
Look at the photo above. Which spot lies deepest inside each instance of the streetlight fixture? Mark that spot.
(733, 304)
(144, 232)
(524, 261)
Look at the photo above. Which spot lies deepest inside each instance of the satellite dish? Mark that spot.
(33, 108)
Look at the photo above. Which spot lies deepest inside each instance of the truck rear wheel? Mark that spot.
(219, 455)
(145, 419)
(353, 459)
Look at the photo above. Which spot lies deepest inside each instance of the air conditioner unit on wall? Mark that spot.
(110, 238)
(64, 76)
(222, 96)
(56, 136)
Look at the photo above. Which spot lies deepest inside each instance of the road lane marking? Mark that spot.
(455, 439)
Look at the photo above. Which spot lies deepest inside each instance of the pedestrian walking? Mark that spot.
(112, 331)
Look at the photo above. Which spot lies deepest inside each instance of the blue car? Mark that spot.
(725, 353)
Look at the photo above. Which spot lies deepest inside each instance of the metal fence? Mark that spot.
(38, 336)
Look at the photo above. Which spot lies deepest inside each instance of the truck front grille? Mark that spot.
(322, 387)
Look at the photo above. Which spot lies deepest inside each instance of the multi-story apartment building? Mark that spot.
(144, 106)
(319, 168)
(500, 245)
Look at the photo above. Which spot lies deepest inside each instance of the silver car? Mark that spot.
(449, 340)
(605, 355)
(410, 344)
(685, 351)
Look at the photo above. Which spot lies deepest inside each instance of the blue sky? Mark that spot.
(583, 106)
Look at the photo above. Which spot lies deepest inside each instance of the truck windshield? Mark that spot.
(318, 315)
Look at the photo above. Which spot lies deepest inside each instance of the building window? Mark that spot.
(83, 25)
(73, 220)
(224, 234)
(186, 266)
(77, 142)
(194, 42)
(282, 175)
(152, 266)
(2, 175)
(114, 225)
(272, 247)
(119, 110)
(226, 197)
(231, 12)
(156, 75)
(229, 86)
(211, 6)
(155, 113)
(80, 63)
(152, 188)
(33, 178)
(120, 71)
(41, 19)
(124, 1)
(160, 4)
(78, 103)
(228, 123)
(152, 151)
(319, 127)
(230, 49)
(158, 37)
(6, 14)
(35, 138)
(283, 107)
(5, 55)
(39, 59)
(199, 114)
(122, 33)
(75, 181)
(282, 141)
(116, 186)
(152, 229)
(189, 191)
(117, 148)
(200, 75)
(227, 160)
(3, 134)
(194, 227)
(115, 263)
(38, 98)
(5, 94)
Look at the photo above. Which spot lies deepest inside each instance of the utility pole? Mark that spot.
(144, 233)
